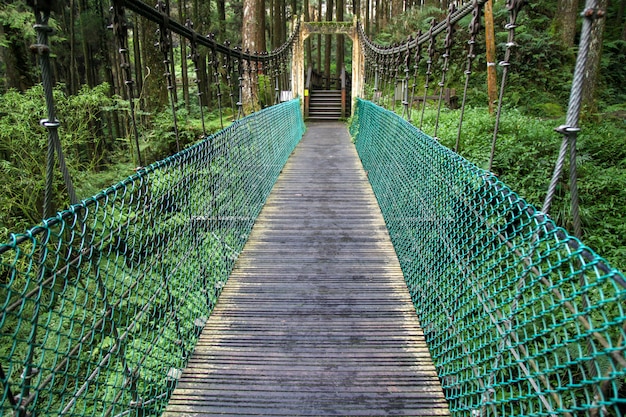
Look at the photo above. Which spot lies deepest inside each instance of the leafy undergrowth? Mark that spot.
(526, 151)
(96, 154)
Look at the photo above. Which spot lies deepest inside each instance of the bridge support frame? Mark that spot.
(328, 28)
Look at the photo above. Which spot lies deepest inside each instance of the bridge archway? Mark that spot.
(327, 28)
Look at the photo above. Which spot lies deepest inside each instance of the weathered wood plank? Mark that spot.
(315, 318)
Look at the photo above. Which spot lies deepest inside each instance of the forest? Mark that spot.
(170, 183)
(93, 103)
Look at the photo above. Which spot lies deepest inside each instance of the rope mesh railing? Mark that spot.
(102, 304)
(520, 317)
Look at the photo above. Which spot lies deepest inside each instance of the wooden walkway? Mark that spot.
(315, 318)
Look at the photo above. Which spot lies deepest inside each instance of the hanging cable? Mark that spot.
(195, 58)
(216, 79)
(416, 60)
(165, 45)
(42, 50)
(120, 30)
(446, 61)
(514, 7)
(429, 66)
(405, 82)
(570, 129)
(474, 28)
(240, 111)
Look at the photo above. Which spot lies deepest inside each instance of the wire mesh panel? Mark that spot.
(520, 317)
(102, 304)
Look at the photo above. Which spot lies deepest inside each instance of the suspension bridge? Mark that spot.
(277, 268)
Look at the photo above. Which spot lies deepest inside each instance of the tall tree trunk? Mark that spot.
(620, 13)
(73, 69)
(384, 4)
(251, 35)
(184, 76)
(283, 21)
(592, 68)
(318, 64)
(221, 16)
(622, 10)
(565, 21)
(137, 55)
(294, 8)
(396, 8)
(87, 55)
(263, 44)
(367, 17)
(276, 23)
(490, 52)
(377, 18)
(340, 42)
(154, 92)
(270, 23)
(15, 55)
(328, 44)
(307, 43)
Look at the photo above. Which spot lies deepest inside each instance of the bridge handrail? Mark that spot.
(103, 303)
(156, 16)
(391, 50)
(521, 318)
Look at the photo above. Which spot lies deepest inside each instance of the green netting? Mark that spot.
(520, 317)
(102, 304)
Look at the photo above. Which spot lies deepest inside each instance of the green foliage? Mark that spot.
(94, 160)
(518, 316)
(613, 72)
(23, 144)
(16, 16)
(120, 286)
(408, 23)
(526, 151)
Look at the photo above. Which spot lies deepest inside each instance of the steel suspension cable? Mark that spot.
(165, 46)
(416, 60)
(405, 82)
(446, 62)
(120, 30)
(570, 129)
(474, 28)
(514, 7)
(429, 66)
(42, 49)
(195, 57)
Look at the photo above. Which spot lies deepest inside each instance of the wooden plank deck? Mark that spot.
(315, 318)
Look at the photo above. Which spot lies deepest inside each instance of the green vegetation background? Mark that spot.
(535, 103)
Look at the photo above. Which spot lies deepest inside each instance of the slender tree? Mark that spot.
(221, 16)
(377, 12)
(252, 38)
(307, 43)
(328, 44)
(263, 45)
(340, 40)
(592, 69)
(367, 17)
(14, 53)
(319, 38)
(182, 14)
(565, 21)
(396, 8)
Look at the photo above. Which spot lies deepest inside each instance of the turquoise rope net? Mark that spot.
(102, 304)
(520, 318)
